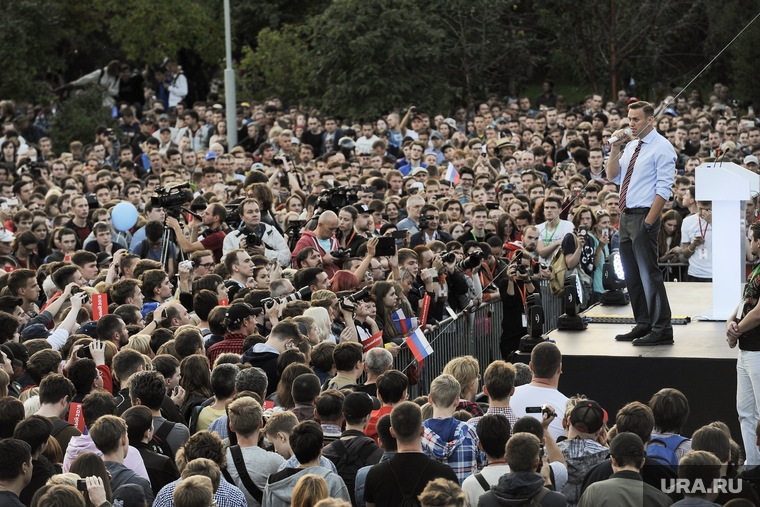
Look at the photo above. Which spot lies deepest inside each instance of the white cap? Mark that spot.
(751, 159)
(5, 236)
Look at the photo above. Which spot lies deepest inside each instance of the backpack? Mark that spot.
(349, 464)
(408, 500)
(159, 444)
(535, 500)
(664, 450)
(242, 471)
(59, 425)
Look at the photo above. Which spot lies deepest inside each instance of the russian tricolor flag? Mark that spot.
(451, 174)
(419, 345)
(403, 324)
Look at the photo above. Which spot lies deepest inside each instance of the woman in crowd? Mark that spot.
(669, 237)
(195, 379)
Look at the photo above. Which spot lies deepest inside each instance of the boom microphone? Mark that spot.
(613, 139)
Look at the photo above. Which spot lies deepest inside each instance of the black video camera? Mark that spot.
(517, 259)
(341, 252)
(425, 221)
(354, 298)
(333, 199)
(448, 257)
(172, 198)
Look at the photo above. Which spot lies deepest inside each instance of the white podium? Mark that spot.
(726, 184)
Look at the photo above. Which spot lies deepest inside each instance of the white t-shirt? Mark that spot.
(535, 396)
(546, 238)
(700, 263)
(472, 487)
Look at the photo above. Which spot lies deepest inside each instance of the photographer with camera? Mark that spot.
(324, 241)
(580, 248)
(257, 237)
(514, 291)
(213, 236)
(429, 228)
(350, 222)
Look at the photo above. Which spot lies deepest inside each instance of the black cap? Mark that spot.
(238, 312)
(627, 444)
(357, 405)
(588, 416)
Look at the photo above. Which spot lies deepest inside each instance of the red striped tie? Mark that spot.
(628, 174)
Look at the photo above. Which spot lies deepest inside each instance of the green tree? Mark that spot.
(279, 65)
(366, 57)
(491, 46)
(78, 118)
(601, 41)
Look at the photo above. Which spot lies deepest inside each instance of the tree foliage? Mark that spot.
(79, 117)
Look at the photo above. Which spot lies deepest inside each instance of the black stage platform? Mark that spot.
(699, 364)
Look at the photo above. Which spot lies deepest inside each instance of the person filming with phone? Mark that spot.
(514, 290)
(602, 232)
(580, 247)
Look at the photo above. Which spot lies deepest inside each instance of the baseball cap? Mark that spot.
(627, 444)
(357, 405)
(34, 331)
(6, 236)
(258, 166)
(418, 185)
(104, 258)
(751, 159)
(164, 129)
(163, 116)
(588, 416)
(237, 312)
(501, 119)
(245, 104)
(210, 156)
(19, 351)
(435, 134)
(363, 209)
(419, 170)
(90, 329)
(129, 495)
(670, 111)
(451, 122)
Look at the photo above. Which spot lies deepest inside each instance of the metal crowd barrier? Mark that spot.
(476, 334)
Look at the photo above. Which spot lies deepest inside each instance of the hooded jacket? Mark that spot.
(84, 443)
(309, 239)
(517, 488)
(265, 357)
(452, 442)
(279, 488)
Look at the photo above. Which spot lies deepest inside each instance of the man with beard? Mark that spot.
(112, 328)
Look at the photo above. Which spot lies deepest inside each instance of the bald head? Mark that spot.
(326, 225)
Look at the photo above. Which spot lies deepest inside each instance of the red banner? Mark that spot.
(76, 417)
(373, 341)
(425, 309)
(99, 306)
(224, 302)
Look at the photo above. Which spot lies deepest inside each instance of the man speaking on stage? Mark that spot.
(645, 172)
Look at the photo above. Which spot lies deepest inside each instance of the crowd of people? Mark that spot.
(239, 342)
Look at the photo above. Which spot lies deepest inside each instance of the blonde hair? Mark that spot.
(321, 321)
(283, 421)
(332, 502)
(203, 467)
(465, 369)
(309, 489)
(5, 379)
(245, 416)
(444, 391)
(196, 491)
(442, 493)
(140, 343)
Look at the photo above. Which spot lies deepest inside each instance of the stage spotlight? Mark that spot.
(573, 300)
(535, 324)
(613, 280)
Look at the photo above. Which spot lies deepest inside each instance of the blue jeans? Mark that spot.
(748, 401)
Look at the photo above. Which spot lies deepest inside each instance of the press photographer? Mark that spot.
(514, 290)
(256, 237)
(212, 237)
(429, 230)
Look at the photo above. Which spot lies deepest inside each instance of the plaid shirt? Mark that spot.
(226, 496)
(454, 443)
(233, 342)
(505, 411)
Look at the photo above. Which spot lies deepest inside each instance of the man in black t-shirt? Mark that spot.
(15, 470)
(406, 474)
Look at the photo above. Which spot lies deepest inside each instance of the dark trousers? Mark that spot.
(638, 253)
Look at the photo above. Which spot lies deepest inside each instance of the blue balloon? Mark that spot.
(124, 216)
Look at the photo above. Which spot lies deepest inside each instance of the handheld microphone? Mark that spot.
(613, 139)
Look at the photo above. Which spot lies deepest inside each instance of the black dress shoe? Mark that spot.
(655, 338)
(636, 332)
